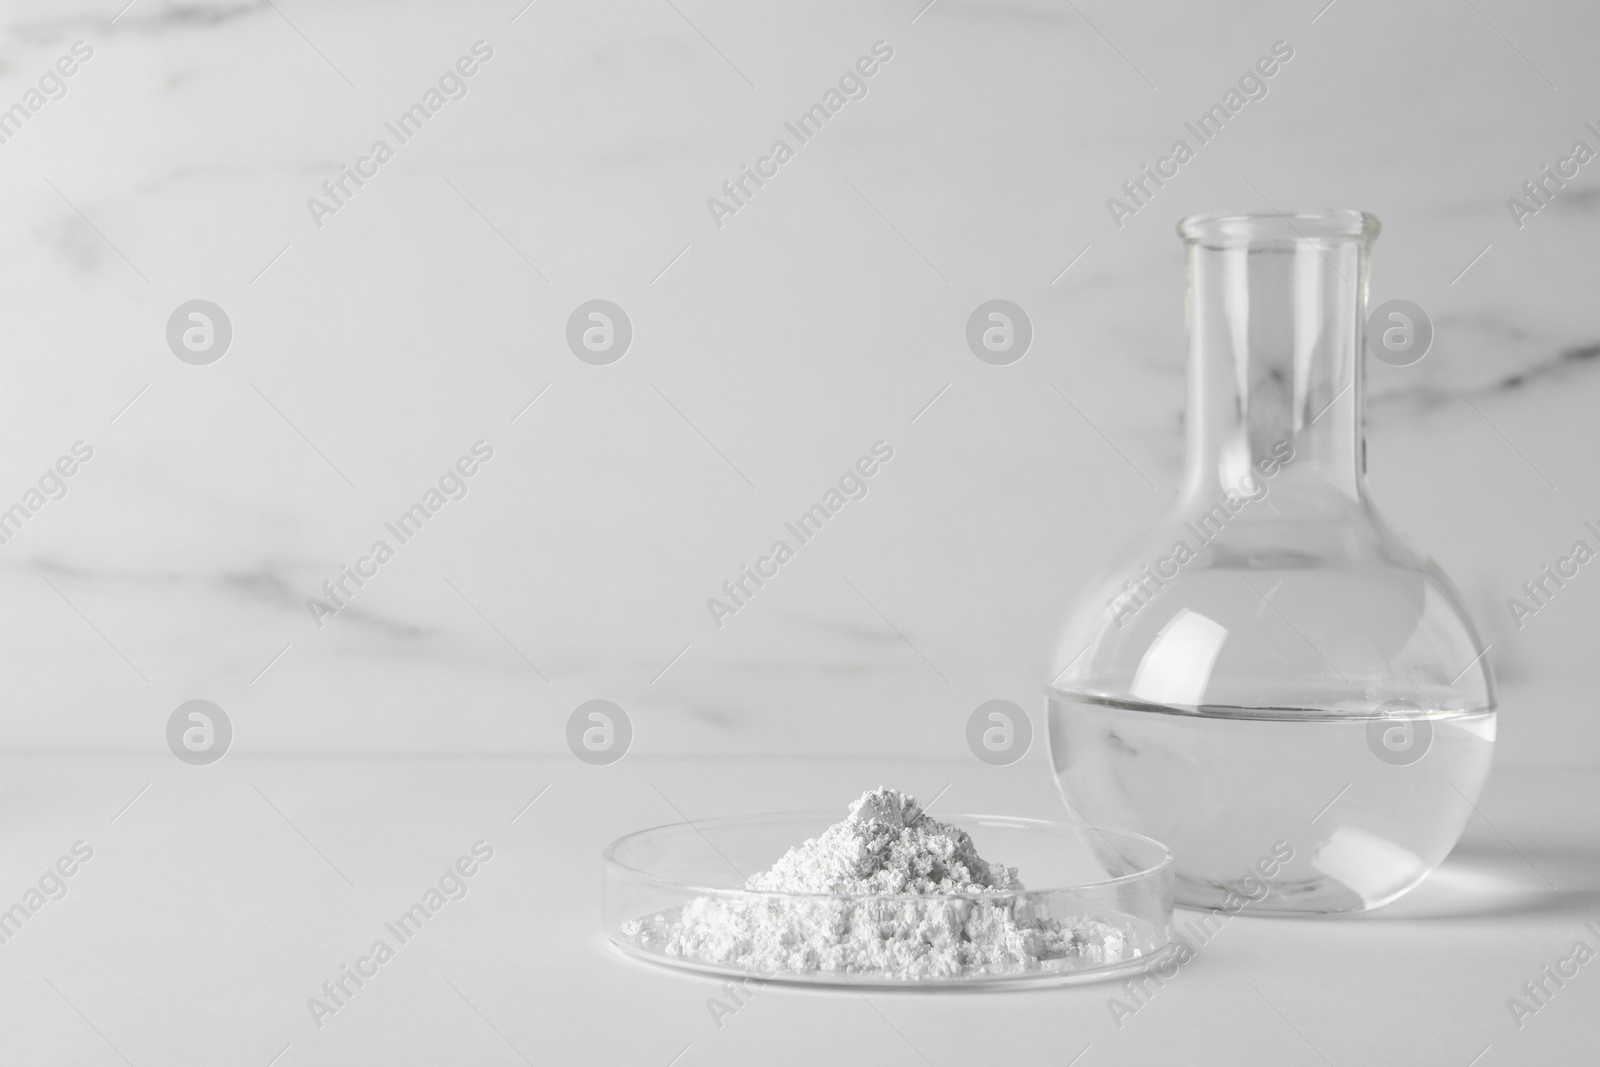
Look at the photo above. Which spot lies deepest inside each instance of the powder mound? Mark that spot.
(887, 845)
(880, 859)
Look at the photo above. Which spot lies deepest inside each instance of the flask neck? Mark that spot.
(1276, 307)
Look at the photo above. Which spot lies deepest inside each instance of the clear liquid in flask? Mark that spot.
(1366, 816)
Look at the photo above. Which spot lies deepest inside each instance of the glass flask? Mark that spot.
(1272, 681)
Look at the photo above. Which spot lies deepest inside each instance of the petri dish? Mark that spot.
(1106, 895)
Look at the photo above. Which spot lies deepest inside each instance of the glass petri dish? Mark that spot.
(1099, 902)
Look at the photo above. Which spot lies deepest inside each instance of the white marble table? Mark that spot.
(219, 902)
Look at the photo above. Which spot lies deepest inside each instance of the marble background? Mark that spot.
(768, 354)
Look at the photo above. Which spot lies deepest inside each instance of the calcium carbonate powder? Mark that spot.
(879, 860)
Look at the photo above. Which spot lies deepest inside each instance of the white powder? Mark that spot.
(887, 845)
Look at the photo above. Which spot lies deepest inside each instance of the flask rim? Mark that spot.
(1232, 230)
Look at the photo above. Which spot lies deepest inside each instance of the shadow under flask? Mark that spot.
(1272, 681)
